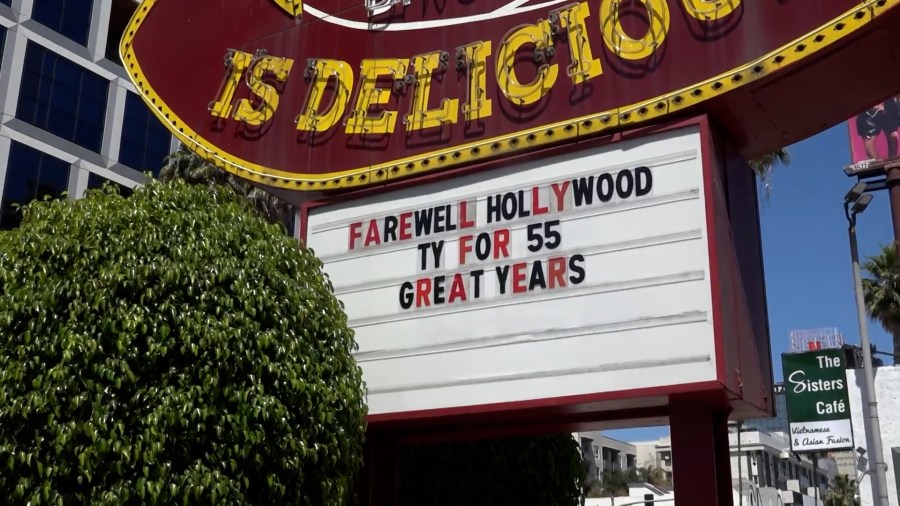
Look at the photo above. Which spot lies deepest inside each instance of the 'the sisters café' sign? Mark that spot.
(818, 408)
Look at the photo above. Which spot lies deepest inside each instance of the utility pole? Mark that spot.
(856, 202)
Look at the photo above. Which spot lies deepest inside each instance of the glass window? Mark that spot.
(62, 98)
(145, 141)
(2, 38)
(95, 181)
(119, 15)
(30, 174)
(71, 18)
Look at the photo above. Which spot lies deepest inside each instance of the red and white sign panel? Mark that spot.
(875, 132)
(584, 273)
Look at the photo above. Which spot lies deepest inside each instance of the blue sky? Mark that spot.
(806, 251)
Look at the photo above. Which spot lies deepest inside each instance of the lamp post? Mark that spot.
(856, 202)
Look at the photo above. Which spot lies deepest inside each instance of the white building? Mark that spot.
(759, 461)
(602, 453)
(887, 390)
(69, 117)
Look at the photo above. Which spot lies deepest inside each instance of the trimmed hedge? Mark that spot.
(171, 348)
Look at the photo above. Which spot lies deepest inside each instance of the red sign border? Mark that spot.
(525, 140)
(730, 384)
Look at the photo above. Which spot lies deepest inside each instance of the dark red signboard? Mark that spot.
(322, 95)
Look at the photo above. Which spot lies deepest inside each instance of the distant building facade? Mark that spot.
(601, 453)
(887, 393)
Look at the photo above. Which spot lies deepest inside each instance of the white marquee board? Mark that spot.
(622, 300)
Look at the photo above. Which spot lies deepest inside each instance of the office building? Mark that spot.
(69, 117)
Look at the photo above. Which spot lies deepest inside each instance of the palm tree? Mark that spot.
(188, 166)
(765, 165)
(881, 292)
(842, 492)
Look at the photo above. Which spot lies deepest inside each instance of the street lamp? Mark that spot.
(855, 202)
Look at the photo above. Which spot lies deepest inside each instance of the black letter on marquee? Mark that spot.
(477, 276)
(583, 190)
(537, 276)
(439, 219)
(423, 221)
(493, 208)
(439, 289)
(624, 184)
(390, 229)
(406, 295)
(483, 246)
(502, 276)
(438, 249)
(605, 187)
(644, 181)
(577, 269)
(509, 206)
(423, 249)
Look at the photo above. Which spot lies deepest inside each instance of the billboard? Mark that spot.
(874, 135)
(583, 275)
(818, 406)
(344, 94)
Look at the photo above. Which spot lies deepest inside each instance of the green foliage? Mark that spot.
(881, 291)
(764, 166)
(187, 166)
(171, 348)
(653, 475)
(537, 471)
(842, 492)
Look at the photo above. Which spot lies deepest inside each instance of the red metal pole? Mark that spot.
(700, 454)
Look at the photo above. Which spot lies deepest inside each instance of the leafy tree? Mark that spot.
(171, 348)
(615, 483)
(881, 292)
(540, 470)
(187, 166)
(842, 492)
(653, 475)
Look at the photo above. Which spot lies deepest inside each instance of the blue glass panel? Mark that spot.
(30, 174)
(145, 141)
(71, 18)
(62, 98)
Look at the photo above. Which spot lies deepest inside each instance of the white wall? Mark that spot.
(887, 388)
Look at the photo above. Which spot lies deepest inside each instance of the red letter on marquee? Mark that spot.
(536, 208)
(354, 234)
(501, 243)
(423, 292)
(518, 278)
(405, 224)
(559, 190)
(458, 290)
(372, 236)
(465, 247)
(464, 220)
(557, 272)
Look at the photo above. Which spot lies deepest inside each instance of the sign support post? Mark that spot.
(870, 415)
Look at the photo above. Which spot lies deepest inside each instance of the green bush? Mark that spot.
(532, 471)
(171, 348)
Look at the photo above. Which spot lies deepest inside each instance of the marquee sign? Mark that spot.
(586, 274)
(315, 95)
